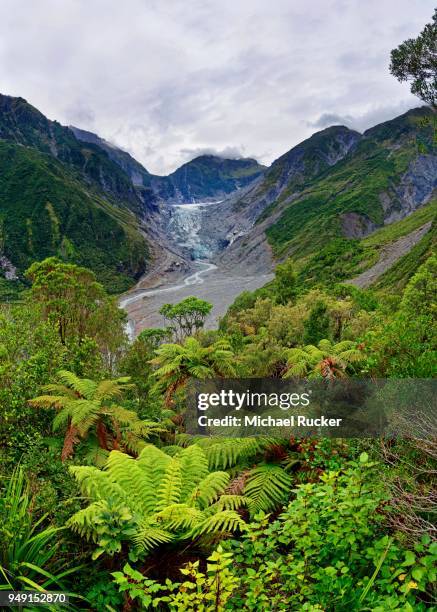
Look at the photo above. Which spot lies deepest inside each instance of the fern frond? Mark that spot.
(209, 489)
(96, 484)
(230, 502)
(194, 467)
(224, 453)
(84, 414)
(170, 487)
(83, 522)
(267, 487)
(179, 516)
(153, 461)
(49, 401)
(84, 386)
(148, 536)
(139, 489)
(225, 521)
(61, 419)
(352, 356)
(112, 389)
(173, 450)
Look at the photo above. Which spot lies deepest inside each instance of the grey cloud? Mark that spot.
(166, 79)
(328, 119)
(362, 122)
(229, 152)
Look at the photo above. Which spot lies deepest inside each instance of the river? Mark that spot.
(207, 281)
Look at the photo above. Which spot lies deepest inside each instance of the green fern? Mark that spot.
(225, 453)
(154, 499)
(267, 487)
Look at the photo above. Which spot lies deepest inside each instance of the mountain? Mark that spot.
(21, 123)
(60, 197)
(204, 178)
(336, 186)
(138, 175)
(207, 177)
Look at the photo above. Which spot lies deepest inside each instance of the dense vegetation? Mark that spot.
(114, 502)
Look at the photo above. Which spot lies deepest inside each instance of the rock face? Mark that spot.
(415, 188)
(337, 183)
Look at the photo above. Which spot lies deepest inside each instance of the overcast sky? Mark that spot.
(170, 79)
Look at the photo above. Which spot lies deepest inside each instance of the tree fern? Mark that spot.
(327, 359)
(154, 499)
(170, 488)
(85, 407)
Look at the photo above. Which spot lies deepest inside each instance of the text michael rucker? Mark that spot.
(228, 399)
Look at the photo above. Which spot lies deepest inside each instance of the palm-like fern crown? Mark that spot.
(177, 363)
(81, 403)
(197, 360)
(326, 359)
(154, 499)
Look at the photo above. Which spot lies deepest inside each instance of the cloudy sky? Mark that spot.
(169, 79)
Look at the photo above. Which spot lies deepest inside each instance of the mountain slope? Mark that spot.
(139, 177)
(378, 178)
(206, 177)
(390, 173)
(21, 123)
(45, 210)
(59, 196)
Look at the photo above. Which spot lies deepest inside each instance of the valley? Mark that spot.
(191, 232)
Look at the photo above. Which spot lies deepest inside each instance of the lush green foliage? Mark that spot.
(88, 504)
(186, 317)
(83, 405)
(29, 552)
(319, 213)
(153, 500)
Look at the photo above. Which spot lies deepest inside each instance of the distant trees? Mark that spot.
(285, 282)
(327, 360)
(186, 317)
(416, 60)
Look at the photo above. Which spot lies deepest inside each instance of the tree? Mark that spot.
(67, 293)
(186, 317)
(285, 282)
(83, 404)
(178, 363)
(317, 326)
(420, 295)
(327, 360)
(153, 500)
(416, 60)
(136, 364)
